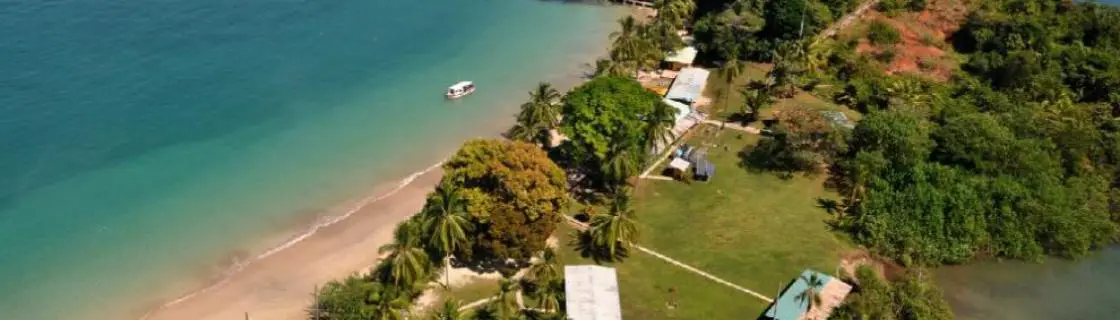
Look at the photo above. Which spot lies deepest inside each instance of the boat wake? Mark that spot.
(240, 265)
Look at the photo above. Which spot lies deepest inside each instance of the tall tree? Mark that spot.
(449, 311)
(659, 125)
(538, 116)
(547, 267)
(513, 194)
(505, 303)
(614, 231)
(732, 69)
(446, 224)
(603, 119)
(408, 263)
(631, 45)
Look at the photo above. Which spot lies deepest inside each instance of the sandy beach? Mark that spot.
(280, 286)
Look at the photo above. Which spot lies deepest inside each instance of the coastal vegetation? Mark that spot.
(1014, 155)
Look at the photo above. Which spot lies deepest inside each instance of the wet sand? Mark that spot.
(281, 285)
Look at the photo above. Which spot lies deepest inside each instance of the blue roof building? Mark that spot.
(789, 307)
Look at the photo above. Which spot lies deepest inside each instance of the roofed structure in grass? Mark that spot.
(681, 58)
(689, 85)
(591, 293)
(789, 307)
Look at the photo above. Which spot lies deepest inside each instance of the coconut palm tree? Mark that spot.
(616, 229)
(755, 98)
(408, 263)
(812, 294)
(551, 294)
(538, 116)
(659, 123)
(731, 69)
(609, 68)
(547, 267)
(620, 164)
(449, 311)
(445, 224)
(505, 303)
(631, 46)
(674, 12)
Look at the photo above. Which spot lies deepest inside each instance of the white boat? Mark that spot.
(460, 89)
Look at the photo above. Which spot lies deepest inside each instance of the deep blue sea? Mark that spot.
(146, 142)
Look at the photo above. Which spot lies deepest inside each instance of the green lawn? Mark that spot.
(754, 229)
(644, 283)
(476, 290)
(727, 100)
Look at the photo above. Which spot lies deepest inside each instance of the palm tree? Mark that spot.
(615, 230)
(408, 263)
(620, 164)
(449, 311)
(505, 303)
(610, 68)
(547, 267)
(538, 116)
(812, 294)
(754, 100)
(674, 12)
(631, 46)
(732, 69)
(659, 123)
(445, 224)
(551, 295)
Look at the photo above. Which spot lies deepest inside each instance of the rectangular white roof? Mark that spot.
(689, 85)
(683, 56)
(591, 293)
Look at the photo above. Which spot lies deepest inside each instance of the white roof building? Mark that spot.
(684, 56)
(591, 293)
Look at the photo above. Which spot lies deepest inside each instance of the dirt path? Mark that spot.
(581, 226)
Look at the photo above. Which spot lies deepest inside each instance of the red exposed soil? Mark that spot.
(924, 35)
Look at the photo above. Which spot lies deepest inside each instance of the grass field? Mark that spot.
(644, 289)
(753, 229)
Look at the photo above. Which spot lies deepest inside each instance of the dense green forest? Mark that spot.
(1014, 157)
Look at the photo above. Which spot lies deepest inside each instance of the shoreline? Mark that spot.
(279, 282)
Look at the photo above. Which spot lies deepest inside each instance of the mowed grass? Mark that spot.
(727, 99)
(644, 289)
(754, 229)
(477, 289)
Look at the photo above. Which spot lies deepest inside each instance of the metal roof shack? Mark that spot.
(591, 293)
(689, 85)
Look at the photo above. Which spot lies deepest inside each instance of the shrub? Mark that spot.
(887, 55)
(916, 5)
(882, 33)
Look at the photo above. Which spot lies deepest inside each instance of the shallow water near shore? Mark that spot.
(1057, 289)
(149, 144)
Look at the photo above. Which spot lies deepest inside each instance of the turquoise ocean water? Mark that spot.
(145, 142)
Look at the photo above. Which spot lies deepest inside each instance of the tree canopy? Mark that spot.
(605, 120)
(512, 192)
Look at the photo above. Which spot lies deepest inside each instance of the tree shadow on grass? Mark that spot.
(583, 244)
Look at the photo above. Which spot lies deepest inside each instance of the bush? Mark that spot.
(891, 7)
(882, 33)
(916, 5)
(887, 55)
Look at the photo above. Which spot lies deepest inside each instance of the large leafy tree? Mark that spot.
(603, 119)
(512, 193)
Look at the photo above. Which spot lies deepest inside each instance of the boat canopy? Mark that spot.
(461, 85)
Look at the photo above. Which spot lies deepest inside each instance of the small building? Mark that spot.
(689, 85)
(682, 58)
(591, 293)
(788, 307)
(703, 170)
(838, 119)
